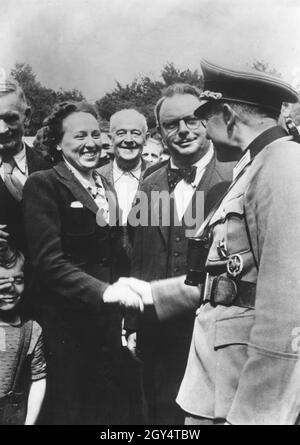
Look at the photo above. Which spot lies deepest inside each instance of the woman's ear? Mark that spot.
(229, 117)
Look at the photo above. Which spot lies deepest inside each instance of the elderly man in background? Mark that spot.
(17, 160)
(128, 134)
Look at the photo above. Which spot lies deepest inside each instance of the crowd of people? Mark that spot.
(111, 312)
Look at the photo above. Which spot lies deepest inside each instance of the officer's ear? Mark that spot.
(27, 114)
(229, 116)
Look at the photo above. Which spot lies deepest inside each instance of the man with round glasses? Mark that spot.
(160, 251)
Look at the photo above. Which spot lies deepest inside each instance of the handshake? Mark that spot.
(130, 294)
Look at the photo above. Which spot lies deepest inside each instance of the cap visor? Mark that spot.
(201, 109)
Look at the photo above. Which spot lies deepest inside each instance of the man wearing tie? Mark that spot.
(17, 160)
(160, 251)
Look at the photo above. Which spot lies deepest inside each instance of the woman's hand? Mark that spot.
(123, 295)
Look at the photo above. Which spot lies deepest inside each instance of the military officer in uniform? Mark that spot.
(243, 365)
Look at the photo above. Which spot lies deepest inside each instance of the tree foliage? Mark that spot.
(171, 74)
(40, 98)
(143, 93)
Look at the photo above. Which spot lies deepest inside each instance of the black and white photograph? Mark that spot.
(150, 214)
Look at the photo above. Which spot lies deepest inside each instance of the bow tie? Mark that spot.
(175, 175)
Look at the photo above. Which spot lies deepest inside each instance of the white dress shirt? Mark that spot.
(126, 185)
(183, 191)
(20, 171)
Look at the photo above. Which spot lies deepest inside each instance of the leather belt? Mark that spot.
(227, 292)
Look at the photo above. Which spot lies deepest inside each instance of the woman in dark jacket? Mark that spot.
(73, 258)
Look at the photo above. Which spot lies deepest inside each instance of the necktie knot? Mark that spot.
(13, 184)
(8, 165)
(175, 175)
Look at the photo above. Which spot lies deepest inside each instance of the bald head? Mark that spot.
(128, 115)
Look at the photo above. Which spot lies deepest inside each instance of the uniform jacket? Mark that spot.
(244, 363)
(160, 252)
(10, 209)
(72, 260)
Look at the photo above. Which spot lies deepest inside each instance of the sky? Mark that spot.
(91, 44)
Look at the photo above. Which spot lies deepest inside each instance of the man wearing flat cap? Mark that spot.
(244, 360)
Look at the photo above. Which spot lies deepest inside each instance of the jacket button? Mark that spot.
(176, 254)
(177, 238)
(175, 270)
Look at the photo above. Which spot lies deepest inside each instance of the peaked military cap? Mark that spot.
(252, 88)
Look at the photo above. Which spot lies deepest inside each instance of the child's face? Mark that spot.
(11, 286)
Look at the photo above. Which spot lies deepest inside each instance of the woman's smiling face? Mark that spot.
(81, 141)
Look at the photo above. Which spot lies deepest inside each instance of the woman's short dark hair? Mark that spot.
(53, 124)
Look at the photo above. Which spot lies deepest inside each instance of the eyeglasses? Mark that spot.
(204, 120)
(192, 123)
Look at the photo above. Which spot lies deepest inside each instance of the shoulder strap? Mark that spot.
(256, 146)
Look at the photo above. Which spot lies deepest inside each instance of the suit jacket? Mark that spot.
(243, 363)
(72, 260)
(151, 243)
(10, 209)
(164, 346)
(69, 252)
(125, 256)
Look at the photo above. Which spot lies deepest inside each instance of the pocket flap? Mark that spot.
(235, 330)
(233, 206)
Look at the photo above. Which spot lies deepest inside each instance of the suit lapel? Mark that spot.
(67, 178)
(110, 178)
(112, 200)
(160, 185)
(209, 177)
(143, 169)
(208, 180)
